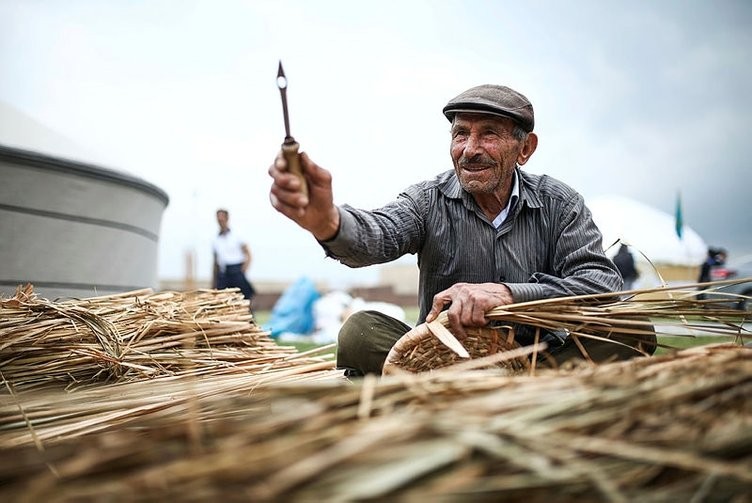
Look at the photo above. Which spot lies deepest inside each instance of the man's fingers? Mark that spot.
(455, 319)
(439, 301)
(286, 190)
(282, 177)
(306, 162)
(433, 314)
(478, 315)
(292, 211)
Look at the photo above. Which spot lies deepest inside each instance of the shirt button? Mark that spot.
(502, 278)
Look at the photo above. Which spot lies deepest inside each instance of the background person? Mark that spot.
(486, 233)
(624, 261)
(232, 257)
(715, 257)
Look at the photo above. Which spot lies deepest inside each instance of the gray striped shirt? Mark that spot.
(547, 247)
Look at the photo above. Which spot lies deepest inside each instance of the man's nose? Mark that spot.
(472, 145)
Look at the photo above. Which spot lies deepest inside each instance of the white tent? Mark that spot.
(647, 230)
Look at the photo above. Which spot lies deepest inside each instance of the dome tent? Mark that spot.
(649, 231)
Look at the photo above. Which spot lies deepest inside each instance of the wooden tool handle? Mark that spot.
(290, 151)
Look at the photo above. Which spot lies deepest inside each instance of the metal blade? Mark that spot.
(282, 85)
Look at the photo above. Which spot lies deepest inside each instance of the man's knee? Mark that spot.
(365, 339)
(352, 333)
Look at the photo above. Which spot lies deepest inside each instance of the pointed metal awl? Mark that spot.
(290, 146)
(282, 85)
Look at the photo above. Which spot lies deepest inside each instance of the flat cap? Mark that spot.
(495, 100)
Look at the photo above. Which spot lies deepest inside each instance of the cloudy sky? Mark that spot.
(641, 99)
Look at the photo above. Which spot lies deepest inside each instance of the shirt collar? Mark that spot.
(450, 186)
(513, 197)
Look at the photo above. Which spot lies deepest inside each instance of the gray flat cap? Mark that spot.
(494, 100)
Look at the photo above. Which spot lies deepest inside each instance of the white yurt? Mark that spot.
(650, 234)
(71, 228)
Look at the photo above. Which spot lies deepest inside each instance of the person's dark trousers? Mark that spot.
(624, 347)
(366, 337)
(233, 277)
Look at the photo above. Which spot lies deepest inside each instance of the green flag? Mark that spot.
(679, 219)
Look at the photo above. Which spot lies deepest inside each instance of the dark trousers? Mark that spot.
(367, 336)
(233, 277)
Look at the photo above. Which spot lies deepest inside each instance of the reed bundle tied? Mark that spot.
(134, 335)
(669, 428)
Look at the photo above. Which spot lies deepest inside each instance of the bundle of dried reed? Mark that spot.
(43, 416)
(634, 318)
(134, 335)
(670, 428)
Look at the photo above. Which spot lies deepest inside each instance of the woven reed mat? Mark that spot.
(421, 350)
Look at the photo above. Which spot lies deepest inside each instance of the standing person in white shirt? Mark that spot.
(232, 257)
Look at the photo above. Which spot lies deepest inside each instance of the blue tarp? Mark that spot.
(293, 312)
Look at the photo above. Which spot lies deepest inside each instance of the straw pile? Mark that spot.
(181, 396)
(669, 428)
(134, 336)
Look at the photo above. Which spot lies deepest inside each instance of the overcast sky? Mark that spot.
(642, 99)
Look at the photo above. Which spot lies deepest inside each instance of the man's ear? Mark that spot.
(531, 143)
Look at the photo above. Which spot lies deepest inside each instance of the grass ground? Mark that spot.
(411, 316)
(677, 342)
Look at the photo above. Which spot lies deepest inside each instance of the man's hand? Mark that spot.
(469, 303)
(314, 212)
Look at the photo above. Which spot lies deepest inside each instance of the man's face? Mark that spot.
(484, 151)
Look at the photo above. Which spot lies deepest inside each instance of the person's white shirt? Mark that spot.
(228, 248)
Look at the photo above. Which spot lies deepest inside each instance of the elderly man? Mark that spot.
(486, 233)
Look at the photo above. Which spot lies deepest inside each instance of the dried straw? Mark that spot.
(670, 428)
(134, 336)
(196, 407)
(632, 317)
(421, 350)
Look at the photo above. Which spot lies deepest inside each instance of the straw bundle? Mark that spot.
(48, 416)
(633, 318)
(132, 336)
(670, 428)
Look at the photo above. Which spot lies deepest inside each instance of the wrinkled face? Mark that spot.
(484, 152)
